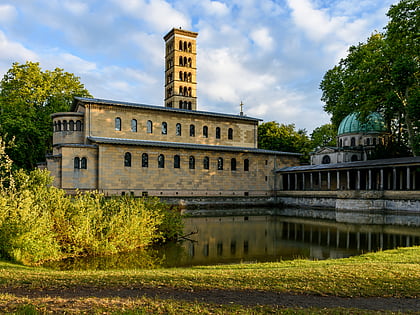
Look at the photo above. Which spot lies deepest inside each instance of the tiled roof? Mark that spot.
(159, 108)
(185, 146)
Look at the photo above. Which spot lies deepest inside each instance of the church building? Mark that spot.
(173, 150)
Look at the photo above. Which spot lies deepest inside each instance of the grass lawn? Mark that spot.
(388, 274)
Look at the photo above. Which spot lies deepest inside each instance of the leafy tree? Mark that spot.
(324, 136)
(28, 96)
(382, 75)
(280, 137)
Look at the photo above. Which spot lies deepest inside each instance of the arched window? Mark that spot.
(206, 163)
(149, 126)
(189, 62)
(144, 160)
(76, 163)
(189, 105)
(180, 104)
(341, 143)
(354, 158)
(205, 132)
(78, 125)
(127, 159)
(189, 47)
(178, 129)
(353, 142)
(246, 165)
(189, 91)
(374, 141)
(192, 163)
(71, 125)
(64, 125)
(233, 164)
(185, 91)
(185, 77)
(180, 75)
(368, 141)
(326, 159)
(181, 91)
(220, 163)
(185, 46)
(230, 134)
(164, 128)
(161, 161)
(59, 125)
(133, 125)
(180, 45)
(192, 131)
(185, 61)
(189, 77)
(83, 163)
(177, 161)
(118, 124)
(181, 61)
(217, 132)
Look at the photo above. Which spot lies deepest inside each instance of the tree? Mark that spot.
(382, 75)
(324, 136)
(28, 96)
(273, 136)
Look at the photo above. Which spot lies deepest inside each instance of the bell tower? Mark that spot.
(180, 69)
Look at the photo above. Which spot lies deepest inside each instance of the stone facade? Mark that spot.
(125, 148)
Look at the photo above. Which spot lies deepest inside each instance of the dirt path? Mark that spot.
(246, 298)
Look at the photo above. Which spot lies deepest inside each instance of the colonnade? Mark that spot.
(389, 177)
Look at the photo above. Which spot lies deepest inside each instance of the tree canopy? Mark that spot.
(382, 75)
(28, 96)
(281, 137)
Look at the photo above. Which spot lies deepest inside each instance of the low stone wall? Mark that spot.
(351, 206)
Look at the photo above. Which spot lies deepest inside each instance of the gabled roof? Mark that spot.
(78, 100)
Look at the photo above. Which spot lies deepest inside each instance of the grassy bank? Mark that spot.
(394, 273)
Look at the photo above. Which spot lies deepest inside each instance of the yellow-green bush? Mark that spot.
(39, 222)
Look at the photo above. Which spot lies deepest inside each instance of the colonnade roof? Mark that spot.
(406, 161)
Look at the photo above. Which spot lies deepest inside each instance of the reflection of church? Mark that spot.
(355, 140)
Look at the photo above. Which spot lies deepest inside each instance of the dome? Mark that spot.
(351, 124)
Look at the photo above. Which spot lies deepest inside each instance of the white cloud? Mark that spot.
(262, 38)
(215, 8)
(76, 7)
(8, 13)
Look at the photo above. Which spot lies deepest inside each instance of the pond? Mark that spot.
(225, 240)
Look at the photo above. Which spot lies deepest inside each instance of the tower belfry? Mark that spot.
(180, 69)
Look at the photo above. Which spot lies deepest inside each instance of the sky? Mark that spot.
(269, 54)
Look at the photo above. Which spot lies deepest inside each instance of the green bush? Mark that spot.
(39, 222)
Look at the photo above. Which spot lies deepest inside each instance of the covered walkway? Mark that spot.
(386, 174)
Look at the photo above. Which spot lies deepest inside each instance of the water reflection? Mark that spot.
(221, 240)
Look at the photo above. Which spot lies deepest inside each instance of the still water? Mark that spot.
(224, 240)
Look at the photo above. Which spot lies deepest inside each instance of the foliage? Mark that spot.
(324, 136)
(28, 96)
(382, 75)
(39, 222)
(280, 137)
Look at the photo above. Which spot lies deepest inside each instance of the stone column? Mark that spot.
(338, 180)
(329, 180)
(370, 179)
(348, 180)
(303, 181)
(408, 178)
(381, 180)
(296, 182)
(311, 180)
(394, 178)
(358, 180)
(320, 181)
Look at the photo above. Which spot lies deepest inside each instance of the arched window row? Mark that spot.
(68, 125)
(80, 163)
(164, 127)
(185, 62)
(176, 162)
(185, 76)
(185, 46)
(185, 105)
(185, 91)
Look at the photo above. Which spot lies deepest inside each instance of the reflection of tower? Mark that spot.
(180, 69)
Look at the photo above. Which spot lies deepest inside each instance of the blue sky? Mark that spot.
(269, 54)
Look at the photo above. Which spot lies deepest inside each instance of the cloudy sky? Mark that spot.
(269, 54)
